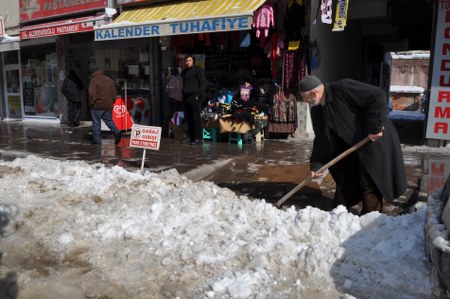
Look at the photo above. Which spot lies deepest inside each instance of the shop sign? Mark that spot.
(121, 2)
(2, 27)
(438, 125)
(175, 28)
(60, 28)
(32, 10)
(145, 137)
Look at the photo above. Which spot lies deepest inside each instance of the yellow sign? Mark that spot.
(341, 15)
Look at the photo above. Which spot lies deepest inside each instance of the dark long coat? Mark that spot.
(354, 109)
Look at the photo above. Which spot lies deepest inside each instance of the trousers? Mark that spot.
(193, 117)
(74, 112)
(97, 117)
(354, 185)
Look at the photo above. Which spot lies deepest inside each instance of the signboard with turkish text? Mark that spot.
(145, 137)
(63, 27)
(32, 10)
(175, 28)
(438, 171)
(121, 2)
(438, 124)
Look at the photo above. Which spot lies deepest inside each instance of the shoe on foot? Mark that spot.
(117, 138)
(186, 140)
(196, 141)
(96, 142)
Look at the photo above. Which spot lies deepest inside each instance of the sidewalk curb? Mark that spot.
(203, 171)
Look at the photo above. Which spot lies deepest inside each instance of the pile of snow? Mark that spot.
(74, 230)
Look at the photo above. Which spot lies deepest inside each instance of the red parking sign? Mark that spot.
(145, 137)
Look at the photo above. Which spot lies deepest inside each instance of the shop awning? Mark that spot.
(9, 43)
(182, 17)
(64, 27)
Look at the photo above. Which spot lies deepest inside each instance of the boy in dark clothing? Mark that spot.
(194, 86)
(71, 89)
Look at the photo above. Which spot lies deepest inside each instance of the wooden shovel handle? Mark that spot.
(322, 169)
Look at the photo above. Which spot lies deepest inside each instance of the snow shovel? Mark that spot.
(322, 169)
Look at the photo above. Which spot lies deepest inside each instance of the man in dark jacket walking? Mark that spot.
(194, 86)
(343, 113)
(102, 94)
(71, 89)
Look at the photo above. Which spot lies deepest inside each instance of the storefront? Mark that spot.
(223, 35)
(10, 62)
(40, 80)
(10, 85)
(129, 63)
(46, 50)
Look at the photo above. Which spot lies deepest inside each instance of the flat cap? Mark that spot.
(308, 83)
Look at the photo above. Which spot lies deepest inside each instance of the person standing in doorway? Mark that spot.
(71, 89)
(194, 86)
(343, 113)
(102, 94)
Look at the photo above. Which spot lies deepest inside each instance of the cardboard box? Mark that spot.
(177, 132)
(229, 126)
(210, 123)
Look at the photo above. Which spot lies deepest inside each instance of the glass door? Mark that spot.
(13, 86)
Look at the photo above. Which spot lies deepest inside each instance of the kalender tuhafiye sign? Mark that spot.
(173, 28)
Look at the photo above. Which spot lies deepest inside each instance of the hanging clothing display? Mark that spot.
(295, 21)
(314, 54)
(283, 119)
(264, 19)
(294, 58)
(327, 11)
(294, 68)
(274, 50)
(281, 7)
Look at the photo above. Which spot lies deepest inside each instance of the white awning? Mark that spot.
(9, 43)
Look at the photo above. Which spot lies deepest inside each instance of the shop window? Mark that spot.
(13, 103)
(130, 69)
(40, 81)
(11, 57)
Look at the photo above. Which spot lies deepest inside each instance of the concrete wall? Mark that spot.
(9, 11)
(341, 56)
(341, 53)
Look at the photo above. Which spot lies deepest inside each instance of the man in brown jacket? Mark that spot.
(102, 94)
